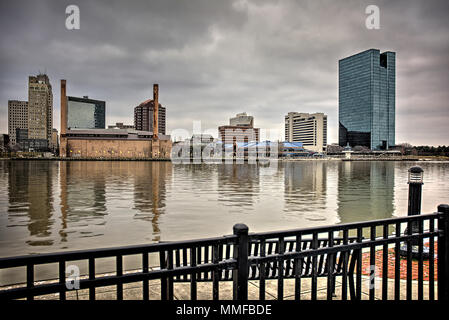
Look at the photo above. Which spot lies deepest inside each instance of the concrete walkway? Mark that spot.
(133, 291)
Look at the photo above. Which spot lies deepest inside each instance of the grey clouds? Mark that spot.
(213, 59)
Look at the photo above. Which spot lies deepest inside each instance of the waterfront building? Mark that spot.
(310, 129)
(111, 143)
(40, 108)
(17, 118)
(240, 129)
(120, 125)
(85, 113)
(4, 142)
(367, 100)
(143, 116)
(55, 140)
(23, 143)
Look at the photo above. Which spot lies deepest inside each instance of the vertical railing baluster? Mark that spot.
(206, 260)
(397, 263)
(193, 274)
(288, 263)
(385, 264)
(92, 277)
(62, 292)
(30, 279)
(145, 283)
(240, 275)
(255, 254)
(227, 256)
(215, 274)
(432, 261)
(164, 284)
(262, 271)
(420, 261)
(177, 262)
(372, 263)
(119, 268)
(270, 266)
(199, 261)
(330, 267)
(409, 261)
(298, 269)
(344, 289)
(359, 265)
(185, 262)
(314, 266)
(443, 255)
(170, 278)
(281, 269)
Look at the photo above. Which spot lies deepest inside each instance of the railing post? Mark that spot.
(443, 253)
(240, 275)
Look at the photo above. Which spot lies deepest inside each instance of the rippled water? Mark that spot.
(48, 206)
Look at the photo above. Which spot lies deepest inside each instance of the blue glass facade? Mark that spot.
(366, 99)
(85, 113)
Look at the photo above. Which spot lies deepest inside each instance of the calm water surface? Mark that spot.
(48, 206)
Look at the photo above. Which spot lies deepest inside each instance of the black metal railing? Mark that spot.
(333, 253)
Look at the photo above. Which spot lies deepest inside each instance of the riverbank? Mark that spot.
(405, 158)
(85, 159)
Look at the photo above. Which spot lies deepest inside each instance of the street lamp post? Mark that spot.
(415, 182)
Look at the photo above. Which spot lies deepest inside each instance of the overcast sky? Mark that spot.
(213, 59)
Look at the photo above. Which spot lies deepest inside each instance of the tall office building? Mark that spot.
(40, 108)
(17, 118)
(310, 129)
(85, 113)
(367, 99)
(143, 117)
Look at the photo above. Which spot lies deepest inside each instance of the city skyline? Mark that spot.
(218, 59)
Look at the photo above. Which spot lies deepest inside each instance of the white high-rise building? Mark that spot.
(310, 129)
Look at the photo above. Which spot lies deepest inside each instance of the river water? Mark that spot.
(48, 206)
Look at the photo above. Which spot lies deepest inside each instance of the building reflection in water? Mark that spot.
(150, 180)
(30, 194)
(365, 190)
(238, 184)
(83, 196)
(305, 189)
(85, 184)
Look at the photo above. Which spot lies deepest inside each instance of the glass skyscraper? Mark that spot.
(85, 113)
(366, 99)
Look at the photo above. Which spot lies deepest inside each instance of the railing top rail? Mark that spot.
(10, 262)
(340, 227)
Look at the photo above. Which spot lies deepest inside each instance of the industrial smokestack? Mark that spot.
(155, 110)
(63, 107)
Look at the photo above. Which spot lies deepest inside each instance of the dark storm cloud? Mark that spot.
(213, 59)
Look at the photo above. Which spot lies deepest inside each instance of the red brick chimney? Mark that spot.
(63, 107)
(155, 111)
